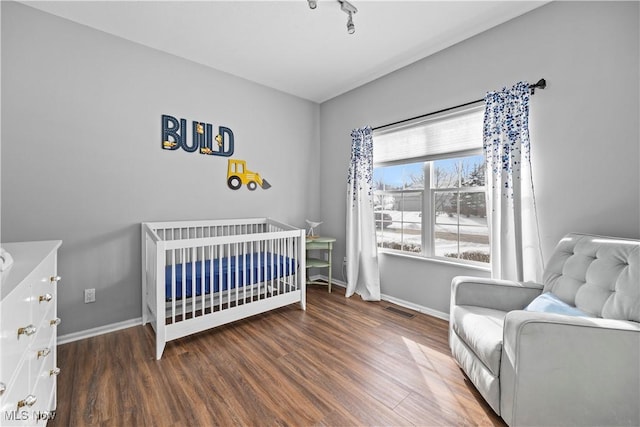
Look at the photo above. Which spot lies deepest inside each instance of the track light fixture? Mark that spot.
(346, 7)
(349, 9)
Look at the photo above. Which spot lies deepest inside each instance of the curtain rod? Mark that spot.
(541, 84)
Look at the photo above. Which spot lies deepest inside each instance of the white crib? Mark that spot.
(198, 275)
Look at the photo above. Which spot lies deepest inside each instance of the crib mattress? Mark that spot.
(248, 269)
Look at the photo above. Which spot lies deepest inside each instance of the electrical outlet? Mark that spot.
(89, 295)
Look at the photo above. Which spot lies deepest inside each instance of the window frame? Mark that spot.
(428, 224)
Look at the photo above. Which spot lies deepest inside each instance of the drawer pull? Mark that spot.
(45, 297)
(44, 352)
(55, 371)
(55, 322)
(27, 330)
(3, 387)
(54, 279)
(30, 400)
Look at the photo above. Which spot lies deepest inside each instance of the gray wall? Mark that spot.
(584, 126)
(81, 156)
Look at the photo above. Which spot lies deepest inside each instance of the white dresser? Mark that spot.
(28, 327)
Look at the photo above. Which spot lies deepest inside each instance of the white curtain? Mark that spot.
(513, 224)
(363, 276)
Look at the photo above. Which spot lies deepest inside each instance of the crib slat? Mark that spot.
(220, 290)
(263, 258)
(287, 266)
(228, 274)
(211, 276)
(184, 282)
(244, 270)
(278, 265)
(252, 278)
(194, 283)
(273, 249)
(173, 286)
(237, 273)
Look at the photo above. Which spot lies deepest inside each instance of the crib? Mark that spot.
(197, 275)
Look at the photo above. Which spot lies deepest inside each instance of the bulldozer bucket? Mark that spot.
(265, 184)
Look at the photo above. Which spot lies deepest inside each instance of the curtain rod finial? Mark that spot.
(541, 84)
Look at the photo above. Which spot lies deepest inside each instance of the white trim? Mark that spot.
(402, 303)
(420, 308)
(100, 330)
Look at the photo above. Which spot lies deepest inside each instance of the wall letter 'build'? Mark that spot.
(174, 136)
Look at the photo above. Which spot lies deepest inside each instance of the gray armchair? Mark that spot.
(564, 352)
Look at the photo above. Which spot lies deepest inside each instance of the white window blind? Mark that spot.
(430, 138)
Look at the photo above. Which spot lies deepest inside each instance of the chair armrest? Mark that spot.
(505, 295)
(565, 370)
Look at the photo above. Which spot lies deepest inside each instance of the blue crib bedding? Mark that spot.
(250, 268)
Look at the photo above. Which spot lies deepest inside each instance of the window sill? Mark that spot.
(436, 260)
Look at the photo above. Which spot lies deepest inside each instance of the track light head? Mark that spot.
(350, 27)
(312, 4)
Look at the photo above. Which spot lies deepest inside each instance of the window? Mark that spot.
(429, 188)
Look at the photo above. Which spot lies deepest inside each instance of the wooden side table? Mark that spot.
(319, 243)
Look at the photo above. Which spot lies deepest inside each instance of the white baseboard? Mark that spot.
(416, 307)
(76, 336)
(324, 278)
(394, 300)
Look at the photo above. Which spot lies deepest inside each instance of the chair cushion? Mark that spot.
(481, 330)
(549, 303)
(598, 275)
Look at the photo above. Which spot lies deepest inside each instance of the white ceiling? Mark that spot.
(286, 45)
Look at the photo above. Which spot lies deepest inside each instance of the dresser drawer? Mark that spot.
(45, 386)
(41, 355)
(44, 308)
(15, 316)
(45, 328)
(16, 391)
(44, 287)
(45, 392)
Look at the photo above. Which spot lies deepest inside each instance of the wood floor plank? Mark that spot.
(347, 395)
(340, 362)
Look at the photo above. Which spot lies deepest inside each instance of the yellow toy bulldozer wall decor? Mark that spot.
(238, 174)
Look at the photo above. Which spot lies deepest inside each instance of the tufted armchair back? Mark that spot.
(599, 275)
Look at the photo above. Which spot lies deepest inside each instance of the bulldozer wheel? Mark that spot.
(234, 182)
(251, 185)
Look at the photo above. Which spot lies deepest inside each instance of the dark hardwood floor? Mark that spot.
(342, 362)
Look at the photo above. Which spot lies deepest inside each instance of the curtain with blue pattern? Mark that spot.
(363, 276)
(513, 223)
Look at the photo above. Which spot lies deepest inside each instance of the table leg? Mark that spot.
(330, 262)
